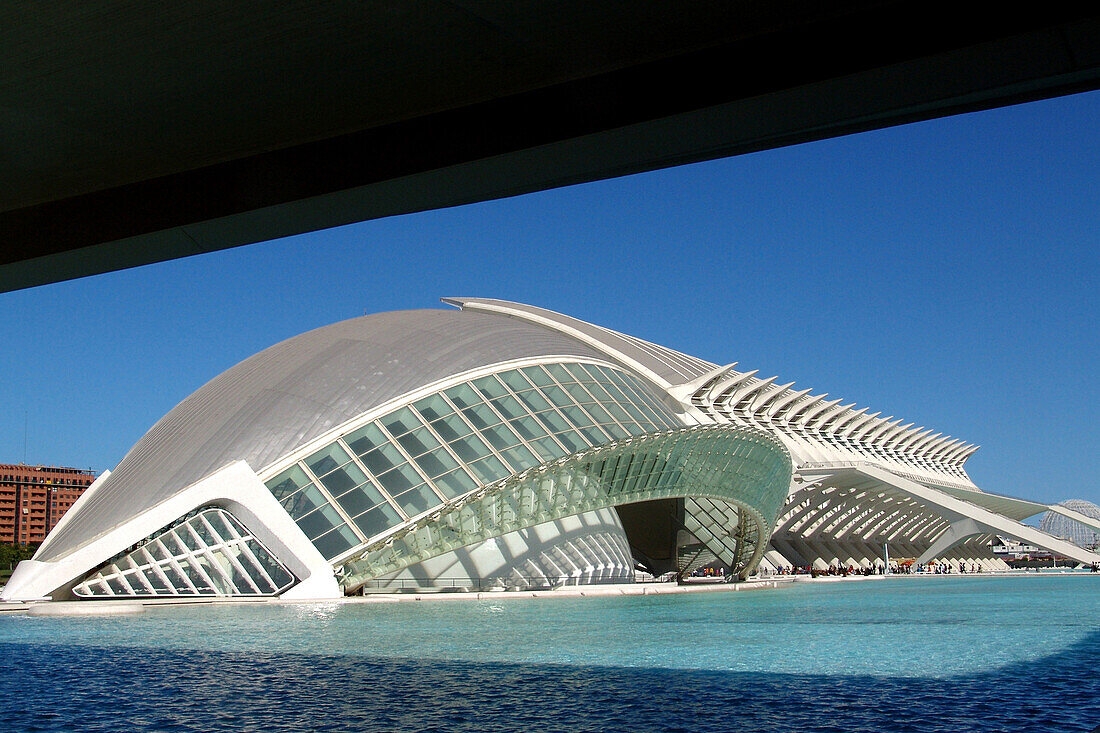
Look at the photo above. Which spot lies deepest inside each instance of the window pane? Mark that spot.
(433, 407)
(598, 413)
(559, 373)
(462, 395)
(489, 386)
(598, 391)
(418, 441)
(455, 483)
(537, 375)
(578, 372)
(436, 463)
(344, 478)
(520, 457)
(365, 439)
(399, 479)
(557, 396)
(535, 401)
(572, 441)
(377, 520)
(327, 459)
(579, 393)
(549, 448)
(594, 435)
(553, 421)
(357, 501)
(515, 380)
(470, 448)
(320, 521)
(400, 422)
(509, 407)
(489, 469)
(451, 428)
(481, 416)
(418, 500)
(614, 430)
(576, 416)
(287, 482)
(383, 459)
(332, 544)
(528, 428)
(500, 437)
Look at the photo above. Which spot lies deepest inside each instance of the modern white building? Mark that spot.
(503, 445)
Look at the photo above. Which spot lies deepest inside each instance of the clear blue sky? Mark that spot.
(944, 272)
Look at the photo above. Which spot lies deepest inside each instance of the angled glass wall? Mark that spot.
(445, 445)
(207, 553)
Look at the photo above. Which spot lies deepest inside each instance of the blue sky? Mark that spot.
(945, 272)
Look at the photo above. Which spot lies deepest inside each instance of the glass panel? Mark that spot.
(594, 435)
(339, 540)
(616, 432)
(287, 482)
(553, 421)
(187, 538)
(481, 416)
(537, 375)
(549, 448)
(320, 521)
(579, 393)
(470, 448)
(451, 428)
(598, 391)
(576, 416)
(436, 463)
(463, 396)
(401, 422)
(344, 478)
(158, 584)
(418, 500)
(598, 413)
(455, 483)
(418, 442)
(520, 457)
(383, 459)
(399, 479)
(377, 520)
(528, 428)
(515, 380)
(489, 469)
(509, 407)
(365, 439)
(433, 407)
(304, 502)
(490, 387)
(618, 412)
(572, 441)
(204, 534)
(500, 437)
(176, 580)
(359, 501)
(327, 459)
(559, 373)
(557, 396)
(577, 372)
(535, 401)
(279, 575)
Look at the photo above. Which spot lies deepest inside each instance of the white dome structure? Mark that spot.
(503, 445)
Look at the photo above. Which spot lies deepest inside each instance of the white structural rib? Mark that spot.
(967, 519)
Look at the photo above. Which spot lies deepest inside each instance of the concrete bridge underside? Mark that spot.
(129, 137)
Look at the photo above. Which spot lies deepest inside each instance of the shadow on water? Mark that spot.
(51, 687)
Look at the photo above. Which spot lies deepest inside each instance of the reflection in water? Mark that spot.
(120, 690)
(984, 654)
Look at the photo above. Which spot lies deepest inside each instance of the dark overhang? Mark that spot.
(132, 133)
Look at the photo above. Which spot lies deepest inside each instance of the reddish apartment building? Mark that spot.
(34, 498)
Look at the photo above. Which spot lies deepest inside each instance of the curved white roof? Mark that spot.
(273, 402)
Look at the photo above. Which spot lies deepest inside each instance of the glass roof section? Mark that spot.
(419, 456)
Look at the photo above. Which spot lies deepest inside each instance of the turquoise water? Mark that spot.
(931, 647)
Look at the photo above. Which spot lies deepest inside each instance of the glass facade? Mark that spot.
(208, 553)
(415, 458)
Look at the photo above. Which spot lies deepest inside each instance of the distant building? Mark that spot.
(34, 498)
(1071, 529)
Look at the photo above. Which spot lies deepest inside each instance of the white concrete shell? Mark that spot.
(283, 442)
